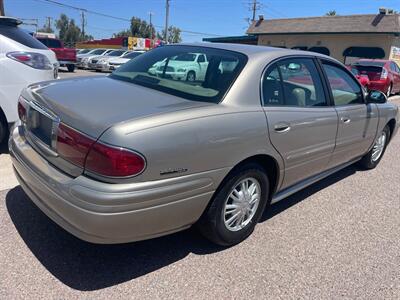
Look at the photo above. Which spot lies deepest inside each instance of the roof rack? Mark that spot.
(9, 21)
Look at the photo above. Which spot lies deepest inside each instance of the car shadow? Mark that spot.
(87, 267)
(4, 148)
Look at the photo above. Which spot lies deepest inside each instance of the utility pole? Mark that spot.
(254, 8)
(48, 23)
(2, 13)
(83, 23)
(151, 25)
(166, 20)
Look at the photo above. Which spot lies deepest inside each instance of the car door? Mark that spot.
(357, 120)
(302, 125)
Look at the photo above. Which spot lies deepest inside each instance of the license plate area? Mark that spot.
(40, 126)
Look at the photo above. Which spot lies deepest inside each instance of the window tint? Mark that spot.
(201, 59)
(98, 52)
(172, 70)
(300, 81)
(20, 36)
(344, 88)
(131, 54)
(51, 43)
(116, 53)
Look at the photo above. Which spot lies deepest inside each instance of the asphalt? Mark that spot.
(339, 238)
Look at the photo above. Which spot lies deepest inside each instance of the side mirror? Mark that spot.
(376, 97)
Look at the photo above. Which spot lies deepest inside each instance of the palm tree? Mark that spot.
(331, 13)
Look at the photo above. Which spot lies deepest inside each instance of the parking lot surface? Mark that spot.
(339, 238)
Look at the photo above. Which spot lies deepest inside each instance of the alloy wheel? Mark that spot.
(379, 146)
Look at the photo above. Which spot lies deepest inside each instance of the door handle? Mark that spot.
(345, 120)
(282, 127)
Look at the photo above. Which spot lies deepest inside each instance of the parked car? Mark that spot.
(362, 78)
(186, 66)
(83, 51)
(384, 75)
(66, 56)
(114, 63)
(23, 61)
(100, 63)
(83, 59)
(131, 156)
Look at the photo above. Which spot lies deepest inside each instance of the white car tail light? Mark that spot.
(32, 59)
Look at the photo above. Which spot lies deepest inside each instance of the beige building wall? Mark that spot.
(336, 43)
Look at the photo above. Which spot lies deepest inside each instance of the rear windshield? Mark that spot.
(370, 63)
(20, 36)
(373, 69)
(51, 43)
(168, 69)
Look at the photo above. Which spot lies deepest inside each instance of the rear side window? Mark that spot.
(345, 89)
(20, 36)
(51, 43)
(294, 82)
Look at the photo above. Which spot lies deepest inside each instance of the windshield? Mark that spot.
(207, 82)
(132, 55)
(116, 53)
(83, 51)
(98, 51)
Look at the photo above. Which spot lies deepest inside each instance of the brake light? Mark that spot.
(384, 73)
(114, 161)
(32, 59)
(21, 110)
(73, 145)
(96, 157)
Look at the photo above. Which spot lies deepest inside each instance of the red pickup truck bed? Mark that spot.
(65, 56)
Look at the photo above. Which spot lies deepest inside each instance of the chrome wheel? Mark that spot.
(241, 204)
(389, 91)
(379, 146)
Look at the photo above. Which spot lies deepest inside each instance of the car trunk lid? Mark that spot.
(373, 72)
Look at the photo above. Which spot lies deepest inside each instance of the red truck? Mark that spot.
(65, 56)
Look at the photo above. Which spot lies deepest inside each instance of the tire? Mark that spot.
(191, 76)
(389, 90)
(71, 68)
(213, 222)
(371, 159)
(3, 130)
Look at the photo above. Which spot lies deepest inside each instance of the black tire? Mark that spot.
(3, 130)
(71, 68)
(367, 162)
(191, 76)
(212, 223)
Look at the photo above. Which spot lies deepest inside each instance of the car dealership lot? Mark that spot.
(337, 238)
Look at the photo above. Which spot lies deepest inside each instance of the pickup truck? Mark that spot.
(65, 56)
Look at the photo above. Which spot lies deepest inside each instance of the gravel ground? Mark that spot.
(339, 238)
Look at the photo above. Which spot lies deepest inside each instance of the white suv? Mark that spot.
(23, 61)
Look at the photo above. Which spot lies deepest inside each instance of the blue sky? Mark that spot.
(218, 17)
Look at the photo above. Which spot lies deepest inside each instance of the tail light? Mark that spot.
(32, 59)
(384, 73)
(21, 110)
(96, 157)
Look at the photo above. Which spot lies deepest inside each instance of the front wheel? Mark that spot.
(237, 206)
(191, 76)
(374, 156)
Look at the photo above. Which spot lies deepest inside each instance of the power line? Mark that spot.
(115, 17)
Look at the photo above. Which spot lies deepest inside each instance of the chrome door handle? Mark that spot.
(345, 120)
(282, 127)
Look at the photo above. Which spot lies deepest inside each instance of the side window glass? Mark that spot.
(201, 59)
(302, 85)
(344, 88)
(272, 88)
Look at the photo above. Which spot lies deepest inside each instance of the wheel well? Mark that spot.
(391, 124)
(3, 117)
(270, 166)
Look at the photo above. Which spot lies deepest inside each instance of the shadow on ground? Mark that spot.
(3, 148)
(87, 267)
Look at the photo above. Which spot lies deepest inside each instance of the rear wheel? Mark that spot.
(191, 76)
(71, 68)
(236, 207)
(374, 156)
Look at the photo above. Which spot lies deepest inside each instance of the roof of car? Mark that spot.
(9, 21)
(251, 50)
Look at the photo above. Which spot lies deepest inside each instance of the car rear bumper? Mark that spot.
(378, 85)
(111, 213)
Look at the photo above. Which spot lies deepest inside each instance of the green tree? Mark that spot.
(331, 13)
(69, 32)
(140, 28)
(46, 28)
(174, 35)
(123, 33)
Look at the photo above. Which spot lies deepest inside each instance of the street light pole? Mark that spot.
(166, 20)
(2, 13)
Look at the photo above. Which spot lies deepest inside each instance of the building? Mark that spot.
(345, 38)
(130, 43)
